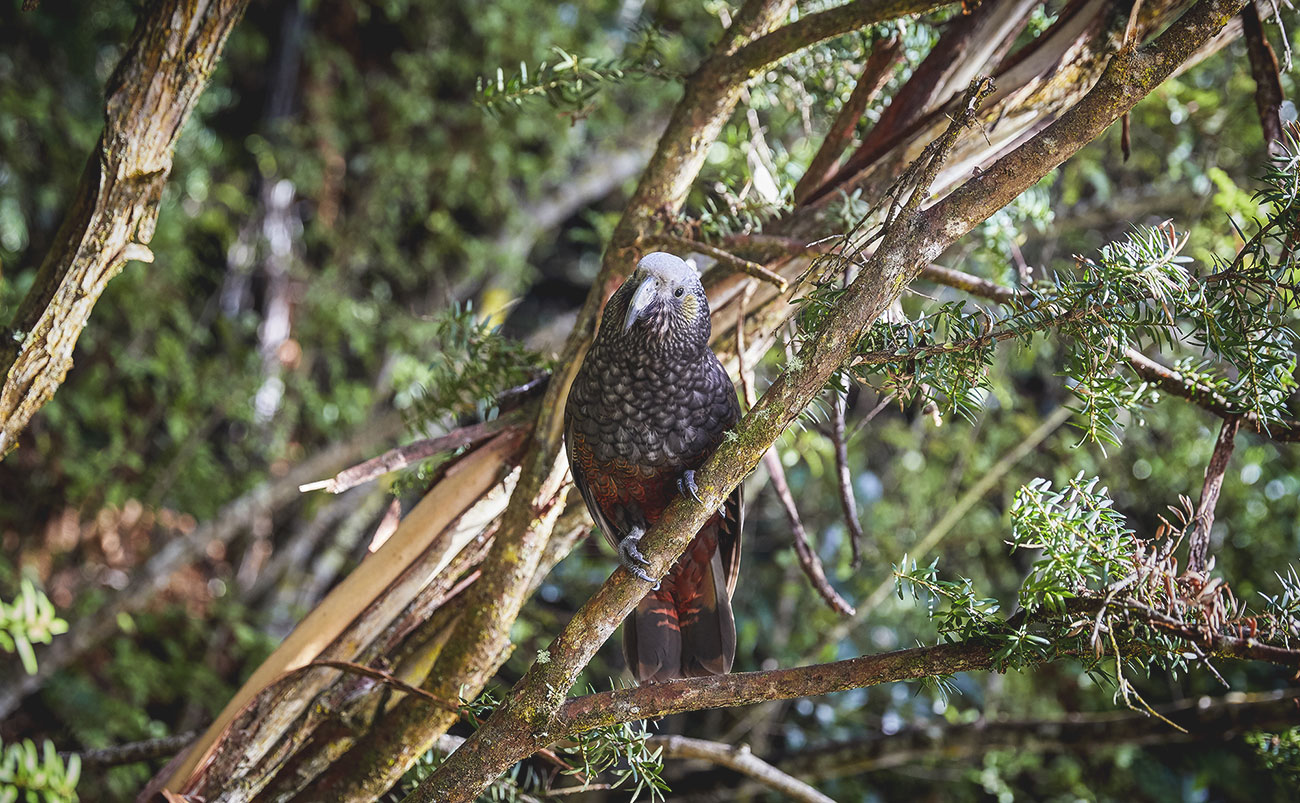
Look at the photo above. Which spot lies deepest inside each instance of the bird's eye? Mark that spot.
(679, 292)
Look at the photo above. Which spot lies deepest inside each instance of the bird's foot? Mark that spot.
(686, 486)
(631, 558)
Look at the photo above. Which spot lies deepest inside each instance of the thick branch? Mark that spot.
(173, 51)
(747, 688)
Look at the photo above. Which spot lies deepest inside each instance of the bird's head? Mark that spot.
(661, 306)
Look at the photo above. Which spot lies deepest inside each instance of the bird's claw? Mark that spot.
(631, 558)
(686, 486)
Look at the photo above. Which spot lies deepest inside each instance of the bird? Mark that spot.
(648, 405)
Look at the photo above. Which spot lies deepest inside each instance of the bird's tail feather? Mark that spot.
(685, 630)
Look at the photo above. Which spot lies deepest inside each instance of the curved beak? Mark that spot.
(641, 300)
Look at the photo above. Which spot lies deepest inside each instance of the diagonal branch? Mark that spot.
(808, 560)
(172, 53)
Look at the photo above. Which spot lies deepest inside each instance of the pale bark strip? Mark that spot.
(423, 541)
(741, 760)
(173, 51)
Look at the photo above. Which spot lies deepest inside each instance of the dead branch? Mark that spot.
(725, 258)
(403, 456)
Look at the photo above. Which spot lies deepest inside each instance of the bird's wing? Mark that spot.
(580, 464)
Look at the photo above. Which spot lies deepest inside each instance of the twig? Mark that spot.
(747, 688)
(723, 257)
(1198, 546)
(808, 560)
(740, 759)
(134, 752)
(848, 502)
(403, 456)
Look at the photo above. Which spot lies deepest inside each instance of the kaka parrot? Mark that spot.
(649, 404)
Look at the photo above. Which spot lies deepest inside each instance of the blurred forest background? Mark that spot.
(347, 223)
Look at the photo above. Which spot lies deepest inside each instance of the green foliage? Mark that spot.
(29, 775)
(622, 752)
(469, 362)
(1279, 752)
(1086, 544)
(29, 619)
(570, 83)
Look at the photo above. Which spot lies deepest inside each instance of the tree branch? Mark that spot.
(741, 760)
(723, 257)
(166, 66)
(808, 560)
(403, 456)
(1167, 379)
(1198, 546)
